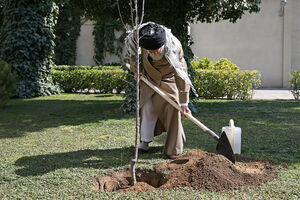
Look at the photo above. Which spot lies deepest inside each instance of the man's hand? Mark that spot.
(185, 110)
(135, 76)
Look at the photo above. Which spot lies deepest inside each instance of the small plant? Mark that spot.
(205, 63)
(225, 64)
(295, 84)
(8, 83)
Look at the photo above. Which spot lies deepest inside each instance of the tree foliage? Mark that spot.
(66, 33)
(1, 17)
(105, 40)
(175, 14)
(27, 44)
(8, 81)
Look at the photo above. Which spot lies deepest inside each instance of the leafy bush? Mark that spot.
(27, 44)
(129, 103)
(223, 79)
(105, 79)
(8, 83)
(1, 17)
(207, 64)
(295, 84)
(223, 83)
(225, 64)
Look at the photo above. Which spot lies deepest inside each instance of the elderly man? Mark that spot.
(164, 66)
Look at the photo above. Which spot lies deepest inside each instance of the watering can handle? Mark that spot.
(231, 123)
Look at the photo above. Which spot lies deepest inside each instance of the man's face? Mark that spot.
(157, 54)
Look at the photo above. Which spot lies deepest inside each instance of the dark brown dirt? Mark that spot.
(197, 170)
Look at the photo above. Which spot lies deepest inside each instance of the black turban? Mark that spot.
(152, 36)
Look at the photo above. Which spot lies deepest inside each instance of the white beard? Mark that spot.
(158, 57)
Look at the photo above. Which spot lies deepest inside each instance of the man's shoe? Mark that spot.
(144, 147)
(173, 157)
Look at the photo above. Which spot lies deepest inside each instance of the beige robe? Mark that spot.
(163, 75)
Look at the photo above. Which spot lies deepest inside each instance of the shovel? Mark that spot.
(223, 147)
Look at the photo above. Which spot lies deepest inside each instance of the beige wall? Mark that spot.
(85, 45)
(296, 35)
(264, 41)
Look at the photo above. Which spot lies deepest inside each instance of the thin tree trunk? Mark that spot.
(135, 25)
(134, 160)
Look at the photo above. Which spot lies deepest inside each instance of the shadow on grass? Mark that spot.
(97, 159)
(35, 115)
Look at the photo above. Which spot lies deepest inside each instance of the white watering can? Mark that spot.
(234, 136)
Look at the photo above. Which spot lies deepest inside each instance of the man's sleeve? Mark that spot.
(183, 87)
(130, 45)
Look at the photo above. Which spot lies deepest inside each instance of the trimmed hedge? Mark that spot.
(295, 84)
(232, 84)
(82, 67)
(223, 79)
(104, 79)
(224, 83)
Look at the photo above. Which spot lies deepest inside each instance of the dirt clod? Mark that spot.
(197, 170)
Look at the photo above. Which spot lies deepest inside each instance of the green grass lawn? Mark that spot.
(52, 146)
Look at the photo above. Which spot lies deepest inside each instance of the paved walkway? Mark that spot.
(272, 93)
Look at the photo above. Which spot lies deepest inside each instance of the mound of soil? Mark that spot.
(196, 169)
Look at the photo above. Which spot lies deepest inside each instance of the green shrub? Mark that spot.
(226, 83)
(105, 79)
(129, 103)
(225, 64)
(207, 64)
(8, 83)
(223, 79)
(295, 84)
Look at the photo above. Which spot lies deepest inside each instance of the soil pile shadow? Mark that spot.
(196, 169)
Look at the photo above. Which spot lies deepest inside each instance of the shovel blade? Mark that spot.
(224, 148)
